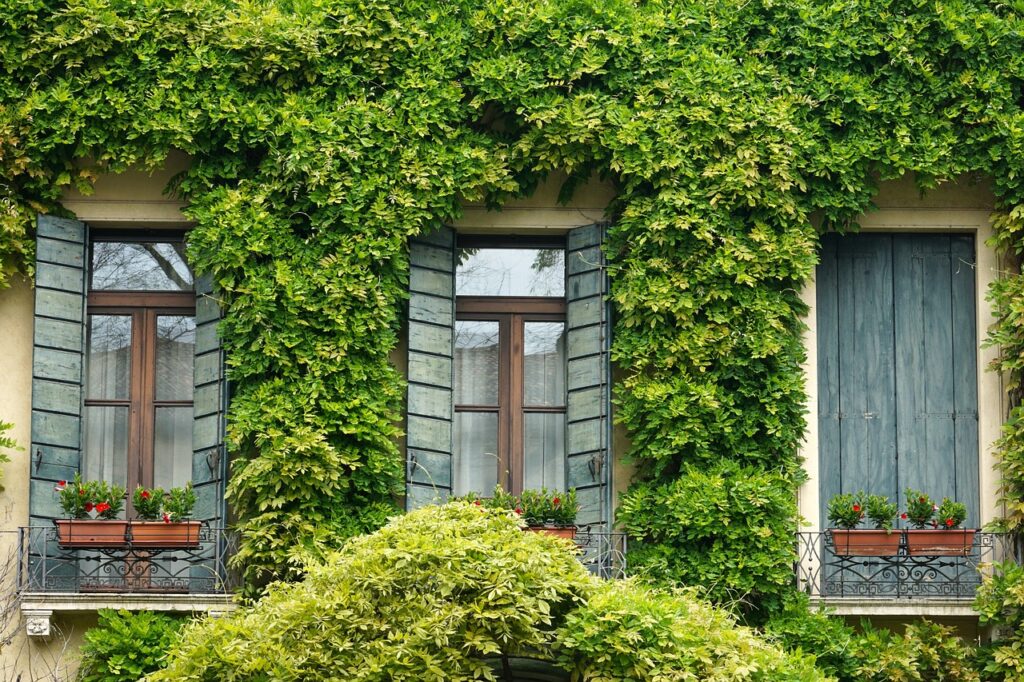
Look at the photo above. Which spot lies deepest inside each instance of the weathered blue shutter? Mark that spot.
(209, 460)
(57, 360)
(429, 409)
(856, 382)
(897, 367)
(936, 368)
(588, 459)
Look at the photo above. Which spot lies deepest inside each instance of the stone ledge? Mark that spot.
(38, 607)
(948, 608)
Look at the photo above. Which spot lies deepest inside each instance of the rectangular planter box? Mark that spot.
(161, 535)
(567, 532)
(91, 533)
(865, 542)
(940, 542)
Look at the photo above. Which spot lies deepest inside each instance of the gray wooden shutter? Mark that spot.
(897, 367)
(936, 368)
(209, 460)
(588, 460)
(57, 360)
(429, 409)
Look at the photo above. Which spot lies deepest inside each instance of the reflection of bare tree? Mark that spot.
(510, 272)
(152, 266)
(21, 659)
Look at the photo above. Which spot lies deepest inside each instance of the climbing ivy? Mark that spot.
(324, 133)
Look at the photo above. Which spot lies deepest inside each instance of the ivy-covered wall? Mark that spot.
(326, 132)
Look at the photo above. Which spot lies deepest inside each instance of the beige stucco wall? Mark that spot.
(963, 207)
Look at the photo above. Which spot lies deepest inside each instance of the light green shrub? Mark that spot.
(434, 593)
(627, 631)
(125, 646)
(925, 652)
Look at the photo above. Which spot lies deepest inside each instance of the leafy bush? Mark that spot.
(126, 646)
(436, 592)
(827, 638)
(1000, 603)
(925, 652)
(728, 530)
(626, 631)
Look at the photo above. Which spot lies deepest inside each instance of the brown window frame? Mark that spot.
(144, 307)
(511, 313)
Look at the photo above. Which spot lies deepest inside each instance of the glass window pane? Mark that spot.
(476, 362)
(510, 272)
(175, 353)
(475, 465)
(544, 364)
(172, 447)
(109, 370)
(106, 444)
(140, 266)
(544, 450)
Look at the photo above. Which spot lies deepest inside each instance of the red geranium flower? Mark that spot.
(62, 484)
(167, 517)
(102, 507)
(88, 506)
(476, 502)
(556, 502)
(903, 516)
(949, 522)
(856, 507)
(145, 494)
(519, 511)
(81, 491)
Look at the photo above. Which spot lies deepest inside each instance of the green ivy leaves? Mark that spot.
(324, 133)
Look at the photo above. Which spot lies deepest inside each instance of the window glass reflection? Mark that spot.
(140, 266)
(510, 272)
(109, 363)
(544, 364)
(175, 353)
(476, 362)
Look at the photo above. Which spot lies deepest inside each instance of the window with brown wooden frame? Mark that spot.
(509, 366)
(140, 344)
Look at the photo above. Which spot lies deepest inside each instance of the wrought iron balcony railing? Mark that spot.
(602, 552)
(200, 568)
(824, 572)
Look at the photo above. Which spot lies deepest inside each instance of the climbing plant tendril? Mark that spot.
(325, 132)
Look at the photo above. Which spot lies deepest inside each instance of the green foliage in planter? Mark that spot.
(846, 510)
(323, 134)
(881, 511)
(718, 528)
(126, 646)
(438, 591)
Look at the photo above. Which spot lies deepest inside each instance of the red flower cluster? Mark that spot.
(101, 507)
(556, 502)
(145, 494)
(856, 507)
(949, 523)
(88, 506)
